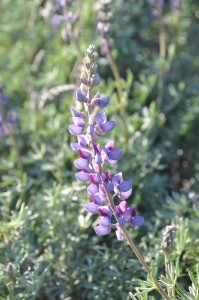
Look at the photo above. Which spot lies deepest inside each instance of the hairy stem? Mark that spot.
(170, 290)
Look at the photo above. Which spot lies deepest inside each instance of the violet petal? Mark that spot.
(103, 102)
(101, 230)
(125, 195)
(107, 126)
(104, 221)
(101, 118)
(125, 186)
(82, 176)
(76, 113)
(115, 154)
(80, 96)
(81, 163)
(91, 207)
(84, 153)
(137, 221)
(75, 130)
(92, 189)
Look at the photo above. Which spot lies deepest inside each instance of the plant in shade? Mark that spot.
(109, 194)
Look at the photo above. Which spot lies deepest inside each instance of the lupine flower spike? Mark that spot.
(93, 157)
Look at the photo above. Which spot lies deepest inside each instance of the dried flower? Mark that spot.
(167, 239)
(93, 157)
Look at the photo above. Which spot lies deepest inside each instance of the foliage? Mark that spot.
(48, 247)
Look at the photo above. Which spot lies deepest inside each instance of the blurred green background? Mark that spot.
(48, 248)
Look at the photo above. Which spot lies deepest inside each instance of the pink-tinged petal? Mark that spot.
(101, 230)
(130, 213)
(137, 221)
(103, 102)
(84, 153)
(115, 154)
(105, 211)
(91, 208)
(117, 179)
(101, 118)
(121, 207)
(79, 122)
(104, 221)
(81, 163)
(80, 96)
(125, 186)
(75, 130)
(92, 189)
(125, 195)
(76, 113)
(107, 126)
(82, 176)
(97, 199)
(94, 178)
(96, 148)
(102, 191)
(106, 176)
(109, 145)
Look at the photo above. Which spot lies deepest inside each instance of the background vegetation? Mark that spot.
(48, 248)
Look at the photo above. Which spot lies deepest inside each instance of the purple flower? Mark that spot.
(110, 154)
(102, 125)
(122, 188)
(104, 227)
(3, 98)
(102, 188)
(57, 20)
(9, 119)
(128, 215)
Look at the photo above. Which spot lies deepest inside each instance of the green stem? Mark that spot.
(170, 290)
(135, 249)
(126, 235)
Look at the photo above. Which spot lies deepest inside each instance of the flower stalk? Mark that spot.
(108, 194)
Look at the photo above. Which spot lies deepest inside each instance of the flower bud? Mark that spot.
(167, 239)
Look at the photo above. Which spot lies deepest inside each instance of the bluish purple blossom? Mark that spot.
(9, 119)
(108, 193)
(63, 17)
